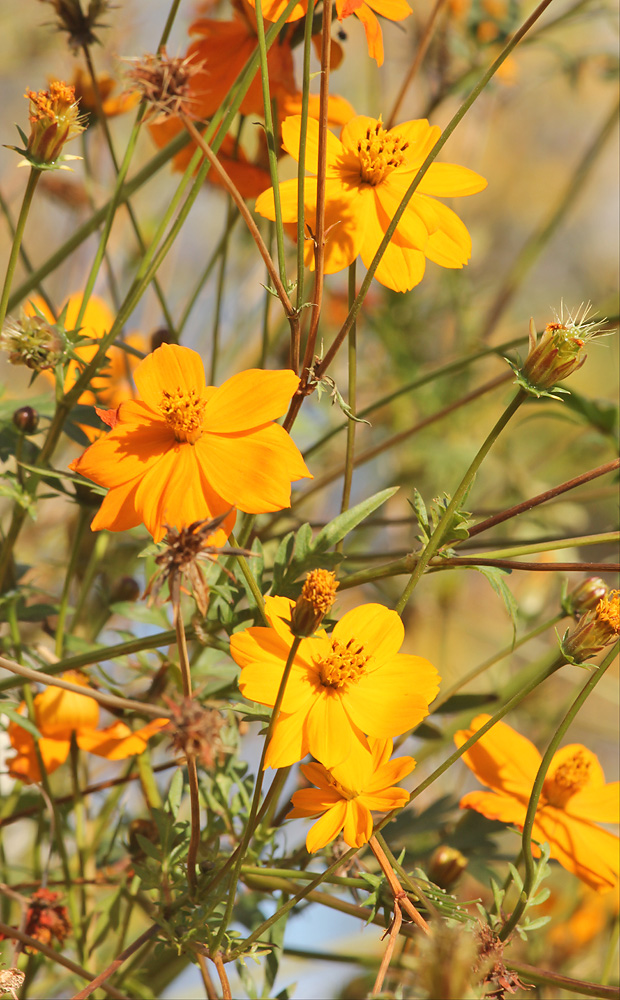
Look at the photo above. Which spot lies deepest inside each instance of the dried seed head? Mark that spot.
(46, 919)
(79, 25)
(490, 967)
(195, 731)
(32, 341)
(594, 631)
(315, 601)
(165, 83)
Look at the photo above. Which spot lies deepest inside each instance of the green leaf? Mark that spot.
(464, 702)
(175, 793)
(20, 720)
(341, 525)
(496, 576)
(600, 414)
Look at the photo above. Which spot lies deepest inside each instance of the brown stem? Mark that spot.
(246, 216)
(206, 978)
(397, 890)
(394, 931)
(555, 491)
(109, 700)
(30, 942)
(417, 59)
(192, 771)
(568, 567)
(221, 971)
(113, 966)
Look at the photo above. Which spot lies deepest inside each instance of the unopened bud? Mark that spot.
(161, 336)
(316, 599)
(125, 589)
(559, 352)
(26, 419)
(594, 631)
(445, 866)
(584, 597)
(54, 121)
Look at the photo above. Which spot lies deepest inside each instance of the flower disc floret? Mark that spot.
(184, 413)
(379, 153)
(344, 666)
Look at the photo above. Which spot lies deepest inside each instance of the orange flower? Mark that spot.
(111, 106)
(58, 714)
(575, 798)
(341, 688)
(186, 451)
(347, 793)
(368, 171)
(114, 384)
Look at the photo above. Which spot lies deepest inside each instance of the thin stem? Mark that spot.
(352, 404)
(421, 50)
(100, 980)
(530, 816)
(23, 254)
(396, 888)
(33, 179)
(191, 302)
(438, 534)
(219, 965)
(251, 582)
(219, 296)
(301, 164)
(192, 772)
(544, 978)
(82, 520)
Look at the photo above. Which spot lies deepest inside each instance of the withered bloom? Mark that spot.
(180, 560)
(30, 340)
(163, 81)
(594, 631)
(490, 965)
(315, 601)
(46, 919)
(78, 24)
(195, 731)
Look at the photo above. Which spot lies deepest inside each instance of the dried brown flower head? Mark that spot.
(165, 83)
(79, 25)
(195, 731)
(32, 341)
(490, 966)
(46, 919)
(11, 980)
(315, 601)
(180, 561)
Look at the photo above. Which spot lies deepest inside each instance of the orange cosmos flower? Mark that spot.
(186, 451)
(111, 106)
(58, 714)
(342, 687)
(347, 793)
(574, 799)
(368, 171)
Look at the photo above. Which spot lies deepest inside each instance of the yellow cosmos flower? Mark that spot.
(347, 793)
(342, 687)
(58, 714)
(575, 798)
(186, 451)
(368, 171)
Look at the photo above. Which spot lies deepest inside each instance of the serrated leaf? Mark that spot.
(495, 576)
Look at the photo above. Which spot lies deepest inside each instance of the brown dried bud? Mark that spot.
(446, 865)
(315, 601)
(11, 980)
(195, 731)
(164, 82)
(490, 967)
(597, 629)
(78, 25)
(26, 420)
(46, 919)
(584, 597)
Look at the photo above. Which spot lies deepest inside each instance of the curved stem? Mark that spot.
(530, 816)
(33, 179)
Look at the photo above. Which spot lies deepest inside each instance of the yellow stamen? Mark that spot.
(380, 153)
(184, 412)
(345, 665)
(608, 611)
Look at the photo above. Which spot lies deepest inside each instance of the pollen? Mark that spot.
(570, 777)
(345, 666)
(608, 611)
(380, 153)
(184, 413)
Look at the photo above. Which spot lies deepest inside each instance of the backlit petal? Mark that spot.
(393, 10)
(379, 630)
(327, 827)
(450, 246)
(502, 758)
(249, 399)
(124, 453)
(330, 734)
(260, 680)
(421, 138)
(168, 368)
(357, 824)
(116, 742)
(291, 131)
(595, 773)
(118, 510)
(60, 712)
(410, 228)
(312, 802)
(399, 268)
(393, 698)
(386, 799)
(504, 808)
(591, 853)
(289, 742)
(390, 773)
(599, 804)
(374, 35)
(448, 180)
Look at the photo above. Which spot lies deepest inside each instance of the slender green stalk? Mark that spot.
(33, 179)
(352, 404)
(602, 538)
(99, 549)
(251, 582)
(241, 851)
(192, 772)
(608, 964)
(530, 816)
(301, 162)
(23, 254)
(82, 520)
(438, 534)
(80, 823)
(204, 277)
(165, 35)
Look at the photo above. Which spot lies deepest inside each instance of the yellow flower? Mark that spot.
(574, 799)
(368, 171)
(347, 793)
(186, 451)
(342, 687)
(60, 713)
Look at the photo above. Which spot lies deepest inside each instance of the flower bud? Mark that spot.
(584, 597)
(78, 24)
(32, 341)
(445, 866)
(125, 589)
(161, 336)
(26, 419)
(595, 630)
(54, 121)
(559, 352)
(316, 599)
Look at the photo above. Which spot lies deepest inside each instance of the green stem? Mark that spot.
(352, 403)
(219, 298)
(544, 978)
(192, 772)
(240, 853)
(82, 520)
(205, 275)
(33, 179)
(437, 537)
(172, 13)
(530, 816)
(24, 256)
(99, 549)
(558, 543)
(251, 582)
(301, 162)
(612, 948)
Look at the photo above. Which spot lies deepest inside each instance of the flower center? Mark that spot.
(379, 153)
(570, 777)
(345, 665)
(184, 412)
(346, 793)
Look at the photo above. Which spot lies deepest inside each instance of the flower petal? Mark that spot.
(400, 268)
(449, 180)
(329, 731)
(410, 229)
(501, 759)
(249, 399)
(374, 35)
(386, 799)
(377, 628)
(599, 804)
(117, 742)
(291, 132)
(327, 827)
(393, 10)
(450, 245)
(390, 773)
(312, 802)
(289, 742)
(166, 369)
(357, 823)
(592, 854)
(127, 451)
(504, 808)
(393, 698)
(421, 138)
